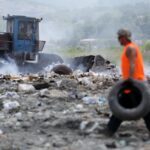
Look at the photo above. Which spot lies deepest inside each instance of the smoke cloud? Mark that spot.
(8, 67)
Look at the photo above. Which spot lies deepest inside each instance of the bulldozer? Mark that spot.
(21, 44)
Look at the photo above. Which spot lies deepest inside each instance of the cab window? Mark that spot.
(25, 30)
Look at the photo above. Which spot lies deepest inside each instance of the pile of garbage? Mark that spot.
(52, 111)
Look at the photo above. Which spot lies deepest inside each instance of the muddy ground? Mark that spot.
(62, 112)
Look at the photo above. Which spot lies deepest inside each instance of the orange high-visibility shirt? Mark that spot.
(139, 65)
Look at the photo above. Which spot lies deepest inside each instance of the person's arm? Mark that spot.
(131, 55)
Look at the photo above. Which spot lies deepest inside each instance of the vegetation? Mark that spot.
(146, 46)
(112, 53)
(73, 52)
(146, 51)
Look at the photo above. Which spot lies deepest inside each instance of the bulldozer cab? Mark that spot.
(25, 34)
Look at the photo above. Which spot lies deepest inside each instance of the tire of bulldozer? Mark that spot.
(142, 95)
(62, 69)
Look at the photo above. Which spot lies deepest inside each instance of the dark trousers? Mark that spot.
(114, 123)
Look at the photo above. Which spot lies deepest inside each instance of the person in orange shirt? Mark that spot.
(132, 66)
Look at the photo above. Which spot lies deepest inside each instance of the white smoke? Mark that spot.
(8, 67)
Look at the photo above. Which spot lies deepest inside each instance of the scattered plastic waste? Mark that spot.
(11, 106)
(94, 100)
(89, 100)
(26, 87)
(102, 101)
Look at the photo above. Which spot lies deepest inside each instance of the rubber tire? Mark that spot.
(62, 69)
(125, 113)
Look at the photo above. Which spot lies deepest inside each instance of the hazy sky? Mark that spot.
(52, 29)
(87, 3)
(19, 5)
(40, 7)
(71, 3)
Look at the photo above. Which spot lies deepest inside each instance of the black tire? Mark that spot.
(129, 106)
(62, 69)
